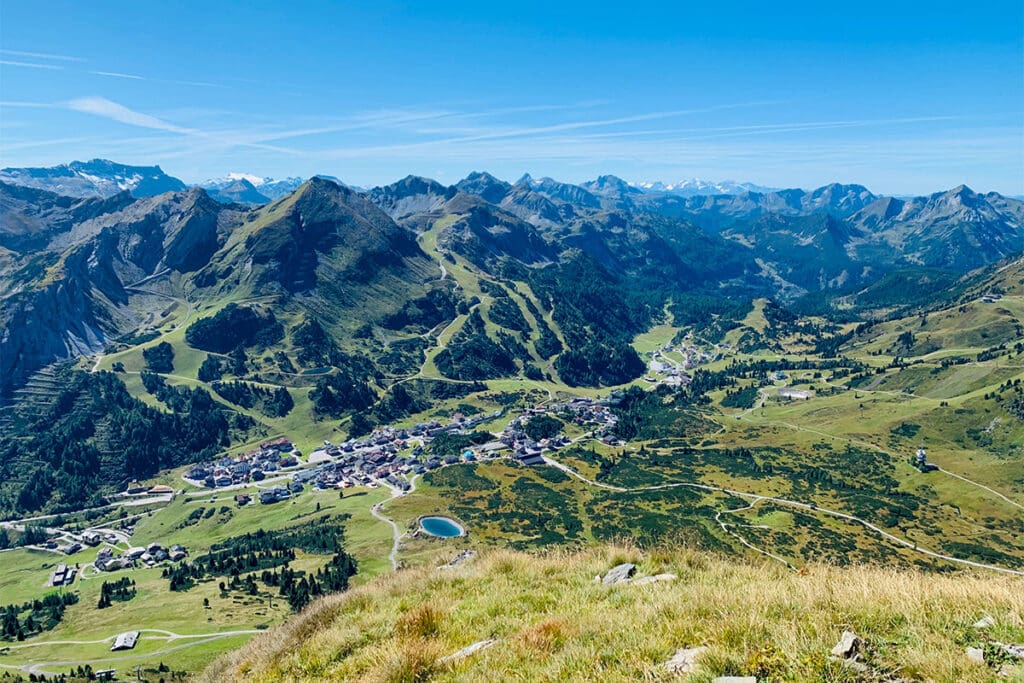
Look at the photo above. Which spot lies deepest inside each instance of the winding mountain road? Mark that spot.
(791, 503)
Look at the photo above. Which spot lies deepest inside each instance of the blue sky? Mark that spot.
(904, 97)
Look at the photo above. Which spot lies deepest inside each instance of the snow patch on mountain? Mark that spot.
(699, 187)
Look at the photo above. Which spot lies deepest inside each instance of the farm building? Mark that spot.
(125, 641)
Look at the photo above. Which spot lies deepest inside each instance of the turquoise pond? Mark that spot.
(442, 527)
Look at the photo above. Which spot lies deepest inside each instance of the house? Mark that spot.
(63, 575)
(531, 457)
(161, 490)
(91, 538)
(125, 641)
(242, 499)
(272, 495)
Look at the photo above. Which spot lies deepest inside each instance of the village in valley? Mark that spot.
(260, 493)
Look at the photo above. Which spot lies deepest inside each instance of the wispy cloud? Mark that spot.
(27, 105)
(114, 74)
(31, 65)
(40, 55)
(200, 139)
(101, 106)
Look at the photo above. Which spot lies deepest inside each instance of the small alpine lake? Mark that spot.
(442, 527)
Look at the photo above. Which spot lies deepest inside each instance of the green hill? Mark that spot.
(546, 617)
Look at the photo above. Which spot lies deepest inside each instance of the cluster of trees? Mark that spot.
(259, 550)
(210, 370)
(159, 358)
(341, 392)
(276, 402)
(504, 312)
(473, 355)
(740, 398)
(121, 590)
(543, 427)
(403, 356)
(599, 315)
(95, 436)
(234, 326)
(448, 443)
(299, 589)
(314, 347)
(599, 364)
(18, 622)
(29, 535)
(424, 313)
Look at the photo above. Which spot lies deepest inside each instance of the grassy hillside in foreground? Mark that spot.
(552, 621)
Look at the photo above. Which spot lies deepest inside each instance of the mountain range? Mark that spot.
(96, 178)
(71, 262)
(697, 187)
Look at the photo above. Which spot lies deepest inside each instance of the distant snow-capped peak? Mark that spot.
(254, 180)
(698, 186)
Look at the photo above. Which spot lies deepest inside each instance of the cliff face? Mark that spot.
(39, 327)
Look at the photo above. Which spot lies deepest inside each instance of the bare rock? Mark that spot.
(684, 661)
(1015, 651)
(460, 559)
(855, 665)
(849, 645)
(654, 579)
(976, 655)
(619, 573)
(985, 622)
(469, 650)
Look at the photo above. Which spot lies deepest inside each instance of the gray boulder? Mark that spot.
(684, 661)
(469, 650)
(985, 622)
(849, 646)
(619, 573)
(654, 579)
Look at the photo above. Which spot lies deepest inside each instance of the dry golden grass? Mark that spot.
(553, 622)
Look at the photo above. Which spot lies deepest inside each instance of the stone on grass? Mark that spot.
(460, 559)
(1015, 651)
(684, 661)
(468, 650)
(734, 679)
(619, 573)
(654, 579)
(855, 665)
(976, 655)
(985, 622)
(848, 646)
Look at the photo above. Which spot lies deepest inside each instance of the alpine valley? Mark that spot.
(240, 397)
